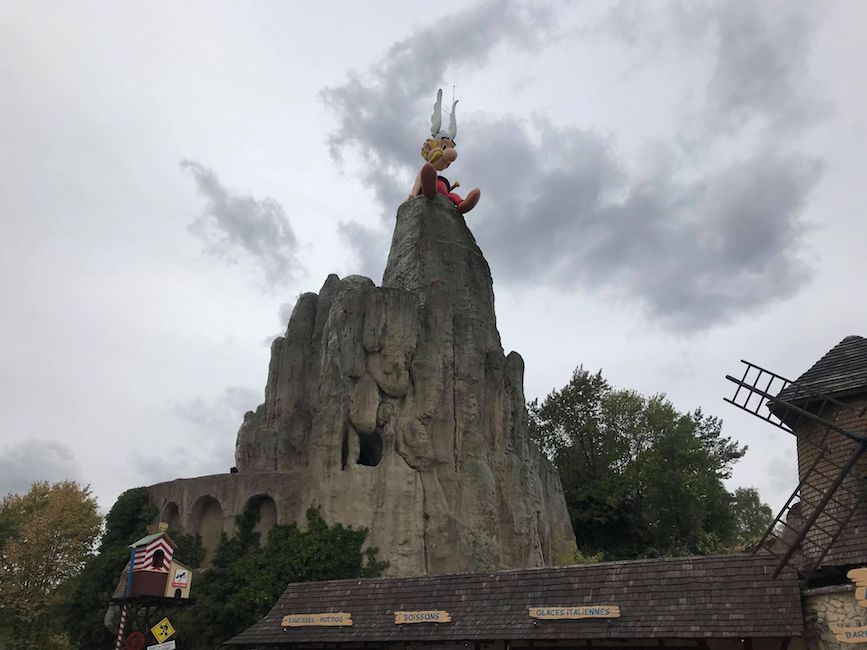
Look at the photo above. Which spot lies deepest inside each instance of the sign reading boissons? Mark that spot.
(425, 616)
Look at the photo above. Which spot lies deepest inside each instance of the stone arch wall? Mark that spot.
(207, 521)
(267, 513)
(172, 516)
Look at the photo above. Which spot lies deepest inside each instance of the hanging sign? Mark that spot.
(168, 645)
(181, 579)
(162, 630)
(424, 616)
(326, 619)
(859, 577)
(582, 611)
(850, 634)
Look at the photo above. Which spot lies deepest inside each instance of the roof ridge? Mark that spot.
(842, 370)
(646, 561)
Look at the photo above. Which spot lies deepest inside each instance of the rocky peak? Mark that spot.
(402, 414)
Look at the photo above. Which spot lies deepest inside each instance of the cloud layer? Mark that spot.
(210, 442)
(233, 223)
(37, 459)
(693, 252)
(382, 112)
(693, 236)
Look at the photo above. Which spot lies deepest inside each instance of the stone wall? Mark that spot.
(829, 608)
(207, 505)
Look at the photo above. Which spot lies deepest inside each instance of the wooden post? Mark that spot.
(119, 641)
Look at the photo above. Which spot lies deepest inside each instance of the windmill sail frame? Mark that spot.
(791, 406)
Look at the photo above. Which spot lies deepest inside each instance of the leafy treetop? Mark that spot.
(46, 536)
(640, 478)
(248, 575)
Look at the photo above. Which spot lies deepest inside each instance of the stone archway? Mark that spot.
(267, 514)
(207, 521)
(172, 516)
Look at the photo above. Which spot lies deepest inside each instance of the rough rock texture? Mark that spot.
(395, 408)
(827, 609)
(407, 413)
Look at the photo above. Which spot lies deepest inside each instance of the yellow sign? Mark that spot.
(424, 616)
(859, 577)
(162, 630)
(328, 619)
(582, 611)
(850, 634)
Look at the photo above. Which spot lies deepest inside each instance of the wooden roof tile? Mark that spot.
(842, 371)
(705, 597)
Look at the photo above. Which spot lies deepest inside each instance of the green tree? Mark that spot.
(247, 577)
(90, 592)
(46, 537)
(640, 478)
(752, 516)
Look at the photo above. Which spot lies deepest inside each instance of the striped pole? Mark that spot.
(119, 642)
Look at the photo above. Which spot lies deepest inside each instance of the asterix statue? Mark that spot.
(439, 152)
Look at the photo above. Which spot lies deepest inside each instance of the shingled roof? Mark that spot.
(840, 373)
(697, 597)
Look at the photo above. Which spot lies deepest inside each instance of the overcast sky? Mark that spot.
(667, 188)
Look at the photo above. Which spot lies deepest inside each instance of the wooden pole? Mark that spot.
(119, 641)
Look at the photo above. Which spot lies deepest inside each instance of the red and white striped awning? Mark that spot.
(144, 556)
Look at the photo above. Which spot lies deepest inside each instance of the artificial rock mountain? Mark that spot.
(394, 408)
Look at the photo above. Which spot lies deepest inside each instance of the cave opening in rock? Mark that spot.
(370, 448)
(344, 450)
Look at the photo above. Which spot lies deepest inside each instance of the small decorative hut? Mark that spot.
(151, 558)
(151, 581)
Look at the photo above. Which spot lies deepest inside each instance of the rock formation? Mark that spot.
(395, 408)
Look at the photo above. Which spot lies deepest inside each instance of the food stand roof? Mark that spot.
(726, 596)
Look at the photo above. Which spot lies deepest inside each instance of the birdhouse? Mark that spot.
(178, 583)
(151, 560)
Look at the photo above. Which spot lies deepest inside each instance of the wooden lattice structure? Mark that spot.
(822, 526)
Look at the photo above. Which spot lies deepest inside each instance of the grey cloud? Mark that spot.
(233, 223)
(23, 463)
(181, 461)
(370, 246)
(761, 62)
(383, 112)
(692, 253)
(220, 414)
(781, 473)
(208, 447)
(759, 54)
(284, 312)
(693, 240)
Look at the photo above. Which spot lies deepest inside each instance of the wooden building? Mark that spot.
(713, 602)
(834, 389)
